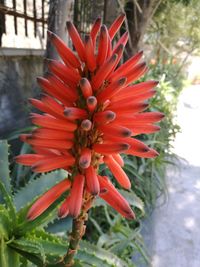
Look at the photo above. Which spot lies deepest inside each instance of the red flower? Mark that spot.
(92, 110)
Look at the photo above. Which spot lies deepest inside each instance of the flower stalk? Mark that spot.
(92, 113)
(78, 230)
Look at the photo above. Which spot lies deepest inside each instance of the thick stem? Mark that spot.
(78, 230)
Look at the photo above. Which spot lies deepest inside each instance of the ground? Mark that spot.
(172, 233)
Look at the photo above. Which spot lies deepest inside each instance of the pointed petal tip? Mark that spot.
(62, 214)
(83, 81)
(68, 24)
(122, 81)
(119, 48)
(30, 100)
(141, 52)
(130, 216)
(122, 15)
(162, 115)
(114, 57)
(125, 146)
(87, 38)
(39, 79)
(30, 217)
(50, 34)
(98, 19)
(156, 82)
(103, 28)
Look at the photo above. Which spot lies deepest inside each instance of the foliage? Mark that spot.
(174, 30)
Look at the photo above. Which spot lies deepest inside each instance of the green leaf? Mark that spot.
(4, 224)
(60, 225)
(41, 248)
(91, 258)
(9, 203)
(8, 257)
(34, 188)
(102, 254)
(133, 199)
(19, 171)
(44, 219)
(3, 260)
(4, 165)
(29, 246)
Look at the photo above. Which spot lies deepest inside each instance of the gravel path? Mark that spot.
(174, 240)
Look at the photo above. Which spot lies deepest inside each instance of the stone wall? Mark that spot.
(18, 71)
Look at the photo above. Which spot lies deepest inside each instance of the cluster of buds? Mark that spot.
(93, 109)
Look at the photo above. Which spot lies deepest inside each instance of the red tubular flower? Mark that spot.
(118, 172)
(95, 29)
(76, 195)
(85, 158)
(91, 103)
(47, 199)
(92, 180)
(118, 159)
(91, 111)
(85, 87)
(113, 197)
(103, 45)
(64, 208)
(122, 41)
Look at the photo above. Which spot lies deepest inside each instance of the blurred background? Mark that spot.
(166, 191)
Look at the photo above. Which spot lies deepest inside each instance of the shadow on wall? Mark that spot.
(18, 71)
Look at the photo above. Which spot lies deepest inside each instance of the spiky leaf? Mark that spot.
(29, 246)
(8, 257)
(133, 199)
(109, 258)
(4, 165)
(9, 203)
(4, 224)
(37, 187)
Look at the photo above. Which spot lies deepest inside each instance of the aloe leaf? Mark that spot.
(90, 257)
(32, 258)
(37, 187)
(60, 225)
(103, 254)
(4, 165)
(43, 220)
(8, 257)
(41, 248)
(4, 224)
(9, 203)
(3, 260)
(133, 199)
(54, 247)
(21, 171)
(29, 246)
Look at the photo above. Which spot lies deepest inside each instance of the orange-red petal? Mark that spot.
(116, 25)
(65, 52)
(92, 181)
(118, 172)
(114, 198)
(52, 163)
(76, 195)
(47, 199)
(111, 148)
(85, 158)
(89, 53)
(76, 39)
